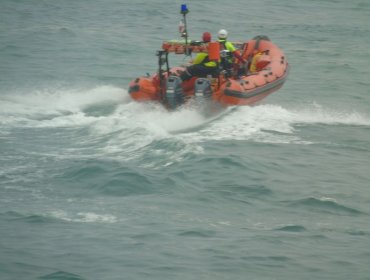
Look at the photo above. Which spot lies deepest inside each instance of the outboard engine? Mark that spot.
(174, 92)
(202, 88)
(202, 100)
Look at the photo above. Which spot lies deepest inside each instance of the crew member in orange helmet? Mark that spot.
(202, 66)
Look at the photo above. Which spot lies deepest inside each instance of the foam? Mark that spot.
(274, 123)
(134, 125)
(51, 107)
(84, 217)
(246, 123)
(316, 113)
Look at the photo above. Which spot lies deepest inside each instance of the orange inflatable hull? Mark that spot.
(272, 71)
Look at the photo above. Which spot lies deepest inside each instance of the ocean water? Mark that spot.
(96, 186)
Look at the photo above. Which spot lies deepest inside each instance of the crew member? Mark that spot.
(202, 66)
(226, 45)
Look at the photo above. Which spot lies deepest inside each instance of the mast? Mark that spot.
(184, 10)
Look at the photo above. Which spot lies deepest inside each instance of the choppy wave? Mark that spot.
(325, 204)
(292, 228)
(55, 216)
(61, 275)
(84, 217)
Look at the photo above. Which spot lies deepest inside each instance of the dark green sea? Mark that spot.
(94, 186)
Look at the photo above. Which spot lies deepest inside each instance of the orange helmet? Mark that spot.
(207, 37)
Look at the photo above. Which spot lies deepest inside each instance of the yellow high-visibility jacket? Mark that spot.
(202, 58)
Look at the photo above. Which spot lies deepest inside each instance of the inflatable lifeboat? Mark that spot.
(265, 72)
